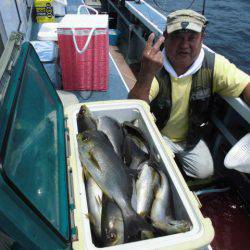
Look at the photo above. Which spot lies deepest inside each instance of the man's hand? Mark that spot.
(151, 63)
(152, 59)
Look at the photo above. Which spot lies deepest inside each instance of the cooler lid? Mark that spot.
(83, 21)
(32, 137)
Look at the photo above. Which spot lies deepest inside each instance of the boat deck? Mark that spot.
(128, 74)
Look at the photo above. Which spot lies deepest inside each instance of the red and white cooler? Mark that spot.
(84, 51)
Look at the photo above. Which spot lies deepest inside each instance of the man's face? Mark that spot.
(183, 47)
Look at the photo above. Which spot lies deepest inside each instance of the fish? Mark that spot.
(114, 131)
(133, 154)
(154, 157)
(97, 155)
(112, 225)
(144, 189)
(84, 119)
(94, 198)
(161, 203)
(161, 210)
(136, 132)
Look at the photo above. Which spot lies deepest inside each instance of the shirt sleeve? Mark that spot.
(154, 90)
(228, 79)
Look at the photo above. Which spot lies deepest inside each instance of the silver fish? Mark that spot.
(146, 145)
(145, 189)
(161, 208)
(98, 157)
(161, 204)
(112, 224)
(133, 154)
(94, 198)
(114, 132)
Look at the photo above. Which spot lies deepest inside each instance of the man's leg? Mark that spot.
(197, 162)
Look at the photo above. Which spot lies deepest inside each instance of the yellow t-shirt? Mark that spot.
(228, 81)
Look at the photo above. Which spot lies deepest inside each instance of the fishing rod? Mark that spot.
(203, 8)
(190, 4)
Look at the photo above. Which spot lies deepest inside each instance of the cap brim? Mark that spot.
(177, 26)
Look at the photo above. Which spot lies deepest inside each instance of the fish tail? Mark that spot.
(135, 226)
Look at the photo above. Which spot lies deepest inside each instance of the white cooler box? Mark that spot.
(186, 206)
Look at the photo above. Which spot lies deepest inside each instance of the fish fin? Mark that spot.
(90, 217)
(94, 160)
(98, 200)
(126, 150)
(85, 172)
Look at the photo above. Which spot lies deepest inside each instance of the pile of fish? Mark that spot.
(128, 192)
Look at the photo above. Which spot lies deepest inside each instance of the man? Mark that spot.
(179, 82)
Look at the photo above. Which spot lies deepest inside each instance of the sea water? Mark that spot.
(228, 31)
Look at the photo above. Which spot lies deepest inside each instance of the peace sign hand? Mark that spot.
(152, 59)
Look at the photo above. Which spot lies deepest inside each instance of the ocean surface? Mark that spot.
(228, 31)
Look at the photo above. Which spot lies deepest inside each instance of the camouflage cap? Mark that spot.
(185, 20)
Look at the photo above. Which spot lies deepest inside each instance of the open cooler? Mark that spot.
(42, 192)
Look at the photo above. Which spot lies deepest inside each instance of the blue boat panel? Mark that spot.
(147, 15)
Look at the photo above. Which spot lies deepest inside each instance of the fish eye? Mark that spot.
(85, 137)
(84, 110)
(112, 236)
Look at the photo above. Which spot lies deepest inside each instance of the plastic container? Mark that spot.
(59, 7)
(113, 36)
(84, 51)
(238, 157)
(46, 50)
(48, 32)
(185, 203)
(44, 11)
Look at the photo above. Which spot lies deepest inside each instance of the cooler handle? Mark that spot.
(90, 33)
(87, 7)
(87, 42)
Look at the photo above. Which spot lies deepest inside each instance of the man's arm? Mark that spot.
(151, 63)
(246, 94)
